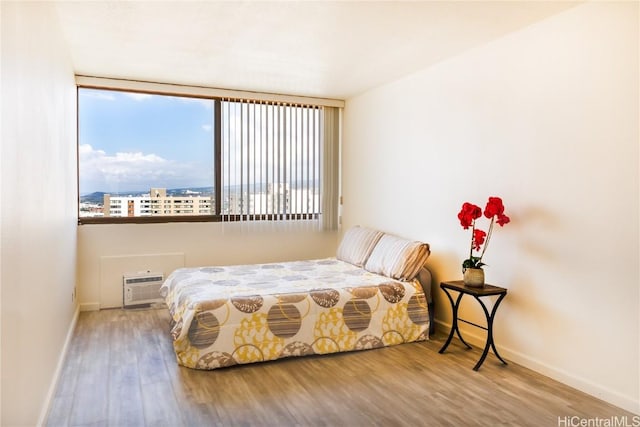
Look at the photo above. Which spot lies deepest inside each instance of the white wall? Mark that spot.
(148, 246)
(38, 228)
(546, 118)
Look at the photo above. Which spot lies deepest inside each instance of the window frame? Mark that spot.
(215, 95)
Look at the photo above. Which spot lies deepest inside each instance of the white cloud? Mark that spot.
(137, 96)
(134, 171)
(86, 150)
(206, 128)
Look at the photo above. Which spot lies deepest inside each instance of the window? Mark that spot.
(157, 158)
(270, 160)
(134, 146)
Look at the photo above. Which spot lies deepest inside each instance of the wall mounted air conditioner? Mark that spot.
(141, 288)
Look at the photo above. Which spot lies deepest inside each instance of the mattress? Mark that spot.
(223, 316)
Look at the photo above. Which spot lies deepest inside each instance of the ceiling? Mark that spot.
(309, 48)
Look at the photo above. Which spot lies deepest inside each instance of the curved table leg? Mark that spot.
(489, 343)
(454, 322)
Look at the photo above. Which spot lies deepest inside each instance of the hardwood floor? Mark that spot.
(121, 371)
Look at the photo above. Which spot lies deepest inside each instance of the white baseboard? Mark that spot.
(89, 306)
(611, 396)
(56, 375)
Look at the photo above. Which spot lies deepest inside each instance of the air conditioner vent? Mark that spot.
(155, 278)
(141, 288)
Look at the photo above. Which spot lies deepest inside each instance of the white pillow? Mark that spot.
(397, 258)
(357, 244)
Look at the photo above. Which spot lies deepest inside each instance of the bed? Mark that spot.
(369, 296)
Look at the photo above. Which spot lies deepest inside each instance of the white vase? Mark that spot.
(473, 277)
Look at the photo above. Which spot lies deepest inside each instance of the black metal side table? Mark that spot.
(477, 293)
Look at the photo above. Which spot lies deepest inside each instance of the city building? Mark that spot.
(156, 203)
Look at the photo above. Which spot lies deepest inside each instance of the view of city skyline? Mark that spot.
(269, 199)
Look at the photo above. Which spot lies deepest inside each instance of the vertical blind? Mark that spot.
(329, 218)
(274, 162)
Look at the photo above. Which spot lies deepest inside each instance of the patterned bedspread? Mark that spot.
(224, 316)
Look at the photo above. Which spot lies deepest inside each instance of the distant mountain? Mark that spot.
(97, 197)
(193, 191)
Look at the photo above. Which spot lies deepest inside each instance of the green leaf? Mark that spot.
(473, 262)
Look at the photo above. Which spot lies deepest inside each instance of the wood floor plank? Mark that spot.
(90, 404)
(121, 371)
(124, 399)
(160, 406)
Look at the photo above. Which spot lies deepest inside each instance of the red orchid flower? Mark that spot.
(494, 210)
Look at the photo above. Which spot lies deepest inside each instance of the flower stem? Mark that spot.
(486, 241)
(473, 229)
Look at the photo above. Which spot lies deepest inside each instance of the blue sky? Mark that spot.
(132, 142)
